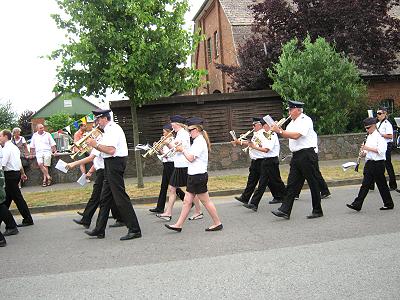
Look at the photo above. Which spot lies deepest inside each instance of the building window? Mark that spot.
(389, 104)
(209, 51)
(216, 44)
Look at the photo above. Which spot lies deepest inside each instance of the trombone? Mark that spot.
(82, 145)
(157, 146)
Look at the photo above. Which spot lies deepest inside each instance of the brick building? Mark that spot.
(227, 23)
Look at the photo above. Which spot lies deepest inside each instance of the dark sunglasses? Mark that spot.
(368, 127)
(379, 113)
(191, 129)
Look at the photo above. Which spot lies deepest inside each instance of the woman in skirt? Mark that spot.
(197, 155)
(179, 175)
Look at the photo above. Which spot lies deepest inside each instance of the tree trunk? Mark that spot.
(138, 157)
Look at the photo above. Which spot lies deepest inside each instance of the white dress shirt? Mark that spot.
(42, 142)
(375, 140)
(199, 150)
(114, 136)
(272, 145)
(385, 127)
(11, 160)
(98, 161)
(183, 137)
(303, 125)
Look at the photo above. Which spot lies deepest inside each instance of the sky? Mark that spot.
(27, 32)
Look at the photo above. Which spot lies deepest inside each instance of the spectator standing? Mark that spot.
(43, 146)
(20, 142)
(77, 136)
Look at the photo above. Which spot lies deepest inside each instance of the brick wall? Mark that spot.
(378, 91)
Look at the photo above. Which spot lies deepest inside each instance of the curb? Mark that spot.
(153, 199)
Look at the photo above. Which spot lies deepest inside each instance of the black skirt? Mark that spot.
(197, 184)
(179, 177)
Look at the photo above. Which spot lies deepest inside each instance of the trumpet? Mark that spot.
(82, 145)
(171, 152)
(157, 146)
(282, 121)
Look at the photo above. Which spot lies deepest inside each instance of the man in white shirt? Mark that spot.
(13, 173)
(385, 128)
(114, 150)
(43, 145)
(304, 163)
(374, 150)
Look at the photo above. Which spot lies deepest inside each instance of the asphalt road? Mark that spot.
(344, 255)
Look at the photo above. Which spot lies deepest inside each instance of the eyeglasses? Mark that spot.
(379, 113)
(368, 127)
(191, 129)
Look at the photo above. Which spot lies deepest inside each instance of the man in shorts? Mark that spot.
(43, 145)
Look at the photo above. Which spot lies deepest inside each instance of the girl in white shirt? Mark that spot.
(197, 156)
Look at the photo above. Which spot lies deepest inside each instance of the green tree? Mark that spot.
(58, 121)
(327, 82)
(137, 48)
(8, 117)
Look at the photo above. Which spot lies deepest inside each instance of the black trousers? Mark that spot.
(6, 217)
(13, 192)
(323, 187)
(269, 176)
(389, 168)
(168, 168)
(114, 188)
(374, 171)
(303, 166)
(94, 201)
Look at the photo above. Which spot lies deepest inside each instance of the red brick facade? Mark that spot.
(384, 90)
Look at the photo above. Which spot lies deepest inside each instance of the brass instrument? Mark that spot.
(360, 154)
(171, 152)
(243, 137)
(282, 121)
(157, 146)
(82, 145)
(256, 141)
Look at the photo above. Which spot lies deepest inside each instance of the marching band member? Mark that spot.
(168, 168)
(374, 151)
(304, 163)
(13, 173)
(179, 175)
(114, 150)
(385, 128)
(94, 201)
(269, 167)
(197, 155)
(255, 169)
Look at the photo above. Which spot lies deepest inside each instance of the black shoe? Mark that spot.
(250, 206)
(177, 229)
(275, 201)
(326, 195)
(99, 235)
(12, 231)
(240, 199)
(280, 214)
(79, 222)
(156, 210)
(216, 228)
(24, 224)
(386, 207)
(117, 224)
(130, 236)
(397, 190)
(352, 206)
(315, 215)
(3, 243)
(80, 213)
(296, 198)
